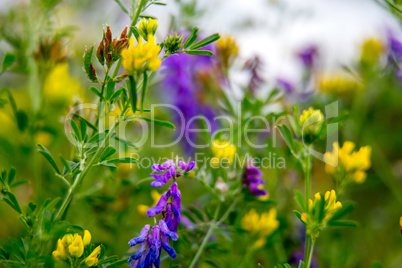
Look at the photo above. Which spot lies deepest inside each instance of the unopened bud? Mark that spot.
(100, 52)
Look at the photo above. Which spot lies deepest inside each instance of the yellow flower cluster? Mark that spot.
(313, 219)
(344, 163)
(143, 208)
(141, 57)
(338, 83)
(228, 44)
(264, 224)
(72, 246)
(223, 150)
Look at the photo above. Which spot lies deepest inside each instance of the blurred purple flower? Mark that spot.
(307, 56)
(184, 89)
(395, 46)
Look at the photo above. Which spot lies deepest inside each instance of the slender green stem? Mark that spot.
(207, 236)
(311, 253)
(85, 170)
(307, 176)
(229, 210)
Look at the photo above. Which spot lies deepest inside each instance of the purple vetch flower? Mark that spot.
(176, 196)
(285, 85)
(307, 56)
(142, 237)
(169, 167)
(252, 180)
(187, 167)
(165, 230)
(149, 251)
(160, 206)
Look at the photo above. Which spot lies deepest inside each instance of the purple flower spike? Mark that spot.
(160, 206)
(187, 167)
(168, 167)
(252, 180)
(142, 237)
(176, 201)
(166, 246)
(165, 230)
(308, 55)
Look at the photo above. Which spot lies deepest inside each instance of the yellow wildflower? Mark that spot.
(141, 57)
(60, 252)
(344, 163)
(338, 83)
(76, 248)
(222, 150)
(264, 224)
(87, 238)
(59, 86)
(93, 257)
(227, 50)
(142, 209)
(371, 50)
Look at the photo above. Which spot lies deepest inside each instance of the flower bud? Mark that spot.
(174, 42)
(100, 52)
(87, 238)
(146, 28)
(311, 123)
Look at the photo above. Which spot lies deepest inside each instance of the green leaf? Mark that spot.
(98, 137)
(123, 8)
(199, 52)
(83, 126)
(8, 60)
(11, 175)
(96, 91)
(49, 158)
(287, 136)
(86, 121)
(110, 89)
(75, 129)
(22, 120)
(118, 263)
(206, 41)
(300, 200)
(15, 202)
(122, 160)
(66, 165)
(134, 30)
(17, 183)
(8, 201)
(125, 142)
(346, 223)
(301, 264)
(191, 38)
(158, 122)
(116, 95)
(109, 151)
(298, 214)
(347, 208)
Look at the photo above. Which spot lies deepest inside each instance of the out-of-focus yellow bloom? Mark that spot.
(87, 238)
(222, 150)
(344, 163)
(311, 122)
(228, 44)
(227, 50)
(264, 224)
(43, 137)
(142, 209)
(141, 57)
(93, 257)
(72, 245)
(147, 27)
(400, 223)
(338, 83)
(59, 86)
(371, 50)
(60, 253)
